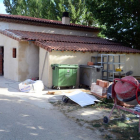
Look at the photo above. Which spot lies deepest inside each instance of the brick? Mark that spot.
(103, 84)
(97, 81)
(98, 90)
(89, 63)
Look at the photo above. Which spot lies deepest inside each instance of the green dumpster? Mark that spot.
(64, 75)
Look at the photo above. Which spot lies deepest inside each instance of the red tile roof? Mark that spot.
(23, 19)
(25, 35)
(68, 42)
(64, 46)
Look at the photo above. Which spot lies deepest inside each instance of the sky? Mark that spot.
(2, 8)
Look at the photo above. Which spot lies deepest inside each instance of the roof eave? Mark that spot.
(41, 23)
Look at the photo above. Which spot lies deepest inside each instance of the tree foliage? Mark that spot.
(33, 8)
(51, 9)
(120, 19)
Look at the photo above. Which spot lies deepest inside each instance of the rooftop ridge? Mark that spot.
(20, 17)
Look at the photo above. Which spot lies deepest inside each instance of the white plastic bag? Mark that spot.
(31, 86)
(26, 86)
(38, 85)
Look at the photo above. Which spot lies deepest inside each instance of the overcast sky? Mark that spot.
(2, 7)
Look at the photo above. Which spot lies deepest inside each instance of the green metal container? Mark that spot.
(64, 75)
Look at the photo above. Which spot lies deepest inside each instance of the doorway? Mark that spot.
(1, 61)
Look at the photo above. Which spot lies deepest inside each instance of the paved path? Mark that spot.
(27, 117)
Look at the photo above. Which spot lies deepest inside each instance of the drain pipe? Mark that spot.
(44, 64)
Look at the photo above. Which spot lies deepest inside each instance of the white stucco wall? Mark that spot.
(57, 57)
(10, 63)
(133, 63)
(28, 58)
(44, 66)
(26, 63)
(25, 27)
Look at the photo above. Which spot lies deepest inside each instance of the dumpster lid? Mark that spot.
(91, 66)
(65, 65)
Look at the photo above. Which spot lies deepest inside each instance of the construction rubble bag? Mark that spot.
(31, 86)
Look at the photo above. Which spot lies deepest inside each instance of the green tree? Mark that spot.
(76, 10)
(51, 9)
(120, 19)
(33, 8)
(61, 6)
(48, 10)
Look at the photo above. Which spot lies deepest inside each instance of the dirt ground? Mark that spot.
(92, 116)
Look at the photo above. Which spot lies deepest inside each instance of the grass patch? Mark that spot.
(123, 129)
(108, 137)
(106, 103)
(127, 131)
(97, 125)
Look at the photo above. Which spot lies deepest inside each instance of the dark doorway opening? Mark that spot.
(1, 61)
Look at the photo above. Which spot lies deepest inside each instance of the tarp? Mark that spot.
(81, 98)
